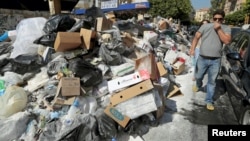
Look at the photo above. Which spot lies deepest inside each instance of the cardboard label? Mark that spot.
(126, 81)
(117, 116)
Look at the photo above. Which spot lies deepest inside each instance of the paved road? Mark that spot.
(186, 117)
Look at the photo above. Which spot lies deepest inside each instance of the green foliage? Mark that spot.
(177, 9)
(236, 18)
(246, 7)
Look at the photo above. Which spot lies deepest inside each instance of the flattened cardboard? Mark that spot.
(117, 116)
(125, 81)
(67, 41)
(88, 38)
(131, 92)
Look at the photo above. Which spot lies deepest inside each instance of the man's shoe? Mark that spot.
(195, 88)
(210, 106)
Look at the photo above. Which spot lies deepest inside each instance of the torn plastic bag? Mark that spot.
(26, 63)
(4, 60)
(46, 40)
(5, 47)
(89, 74)
(110, 57)
(13, 127)
(56, 65)
(28, 30)
(82, 23)
(82, 129)
(59, 22)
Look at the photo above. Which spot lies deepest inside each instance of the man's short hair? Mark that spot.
(219, 12)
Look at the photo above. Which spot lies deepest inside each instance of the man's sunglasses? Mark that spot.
(220, 19)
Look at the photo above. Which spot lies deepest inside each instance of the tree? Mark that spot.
(177, 9)
(236, 18)
(246, 9)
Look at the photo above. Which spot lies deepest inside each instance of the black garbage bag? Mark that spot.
(46, 40)
(107, 127)
(59, 22)
(110, 57)
(26, 63)
(89, 74)
(92, 13)
(82, 23)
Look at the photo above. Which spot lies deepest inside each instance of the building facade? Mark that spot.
(202, 14)
(232, 6)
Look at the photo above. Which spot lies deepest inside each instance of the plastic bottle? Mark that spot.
(73, 110)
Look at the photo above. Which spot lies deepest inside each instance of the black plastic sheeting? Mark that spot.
(36, 5)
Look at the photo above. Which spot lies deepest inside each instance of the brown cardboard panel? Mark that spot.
(88, 38)
(117, 116)
(67, 41)
(160, 110)
(178, 67)
(174, 91)
(70, 86)
(161, 69)
(103, 24)
(131, 92)
(64, 101)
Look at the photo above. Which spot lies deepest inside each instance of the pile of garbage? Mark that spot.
(94, 78)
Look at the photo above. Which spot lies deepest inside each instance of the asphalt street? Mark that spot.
(186, 117)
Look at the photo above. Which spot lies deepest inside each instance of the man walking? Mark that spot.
(213, 36)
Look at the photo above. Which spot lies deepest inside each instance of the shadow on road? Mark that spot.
(223, 113)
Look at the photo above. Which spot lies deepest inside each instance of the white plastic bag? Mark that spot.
(28, 30)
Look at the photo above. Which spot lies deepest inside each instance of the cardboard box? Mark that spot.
(162, 24)
(148, 63)
(111, 16)
(138, 105)
(67, 41)
(128, 40)
(103, 24)
(178, 67)
(131, 92)
(88, 38)
(117, 116)
(69, 86)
